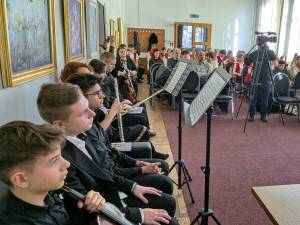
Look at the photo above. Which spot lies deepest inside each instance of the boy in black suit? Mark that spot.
(92, 168)
(32, 166)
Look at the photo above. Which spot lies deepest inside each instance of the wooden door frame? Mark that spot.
(194, 25)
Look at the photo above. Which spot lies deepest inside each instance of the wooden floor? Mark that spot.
(161, 143)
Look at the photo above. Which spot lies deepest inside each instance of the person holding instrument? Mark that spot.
(32, 166)
(262, 78)
(126, 72)
(120, 179)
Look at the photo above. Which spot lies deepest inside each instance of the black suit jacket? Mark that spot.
(120, 163)
(84, 175)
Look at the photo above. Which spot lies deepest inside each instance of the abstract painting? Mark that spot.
(29, 44)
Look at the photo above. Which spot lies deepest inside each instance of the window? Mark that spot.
(294, 40)
(188, 35)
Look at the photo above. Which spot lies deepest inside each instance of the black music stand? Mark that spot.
(181, 71)
(180, 162)
(201, 104)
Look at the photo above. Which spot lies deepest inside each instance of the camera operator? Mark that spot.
(263, 81)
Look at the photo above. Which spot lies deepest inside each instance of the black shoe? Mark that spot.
(264, 119)
(251, 118)
(151, 133)
(158, 155)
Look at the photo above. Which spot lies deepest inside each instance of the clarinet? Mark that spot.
(108, 210)
(119, 115)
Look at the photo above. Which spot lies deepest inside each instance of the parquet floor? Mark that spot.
(161, 143)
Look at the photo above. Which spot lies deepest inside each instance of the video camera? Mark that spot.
(264, 37)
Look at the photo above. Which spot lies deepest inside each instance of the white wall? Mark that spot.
(228, 17)
(19, 103)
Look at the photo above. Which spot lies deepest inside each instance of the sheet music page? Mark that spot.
(207, 95)
(173, 80)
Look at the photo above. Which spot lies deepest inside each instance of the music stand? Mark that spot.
(201, 104)
(174, 86)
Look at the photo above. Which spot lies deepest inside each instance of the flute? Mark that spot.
(119, 115)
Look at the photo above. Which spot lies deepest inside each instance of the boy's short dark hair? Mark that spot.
(107, 56)
(22, 141)
(98, 66)
(54, 101)
(84, 80)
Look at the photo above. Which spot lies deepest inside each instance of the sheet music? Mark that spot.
(207, 95)
(174, 78)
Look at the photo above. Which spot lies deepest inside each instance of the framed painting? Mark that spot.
(102, 27)
(27, 34)
(92, 28)
(74, 36)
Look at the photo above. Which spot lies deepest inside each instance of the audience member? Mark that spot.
(171, 63)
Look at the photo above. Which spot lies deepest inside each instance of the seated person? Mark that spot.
(89, 85)
(32, 165)
(99, 68)
(237, 67)
(126, 72)
(281, 68)
(129, 119)
(108, 45)
(203, 68)
(210, 59)
(185, 54)
(295, 66)
(74, 67)
(155, 58)
(119, 178)
(173, 61)
(108, 88)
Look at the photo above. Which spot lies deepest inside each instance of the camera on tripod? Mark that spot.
(264, 37)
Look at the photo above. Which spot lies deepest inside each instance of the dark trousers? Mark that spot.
(261, 96)
(165, 201)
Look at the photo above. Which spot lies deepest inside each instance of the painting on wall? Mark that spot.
(28, 34)
(92, 25)
(74, 38)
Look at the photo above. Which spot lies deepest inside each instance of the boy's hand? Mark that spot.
(140, 191)
(149, 168)
(116, 107)
(156, 216)
(126, 107)
(93, 202)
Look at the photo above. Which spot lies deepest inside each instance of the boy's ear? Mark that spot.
(19, 179)
(59, 124)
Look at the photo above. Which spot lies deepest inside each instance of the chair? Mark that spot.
(281, 94)
(190, 87)
(156, 71)
(226, 96)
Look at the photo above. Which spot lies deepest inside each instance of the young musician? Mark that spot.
(116, 176)
(89, 85)
(32, 166)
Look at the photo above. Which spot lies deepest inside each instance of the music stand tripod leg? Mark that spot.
(181, 165)
(206, 211)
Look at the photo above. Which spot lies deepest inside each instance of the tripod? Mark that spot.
(205, 213)
(180, 162)
(260, 60)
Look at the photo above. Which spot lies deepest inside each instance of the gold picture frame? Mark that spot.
(74, 30)
(27, 34)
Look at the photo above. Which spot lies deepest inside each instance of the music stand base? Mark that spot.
(187, 177)
(204, 215)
